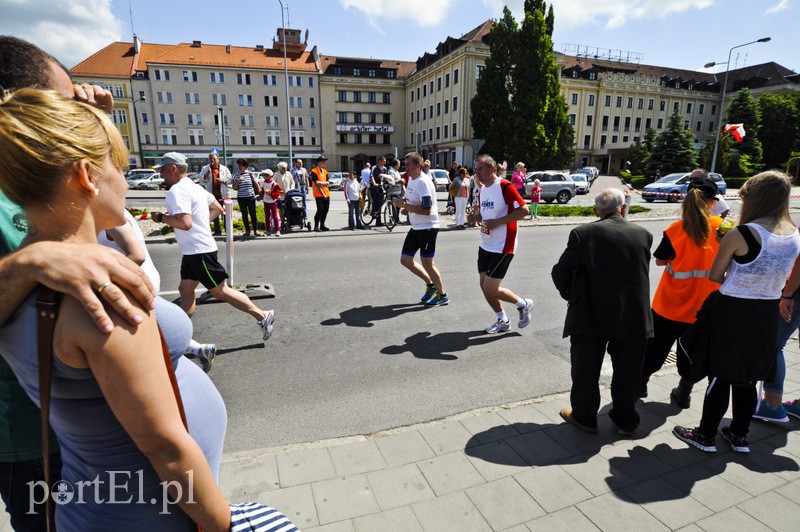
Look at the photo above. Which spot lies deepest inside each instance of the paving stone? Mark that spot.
(241, 478)
(751, 479)
(518, 528)
(504, 503)
(636, 461)
(489, 427)
(341, 526)
(690, 528)
(578, 442)
(774, 460)
(673, 451)
(446, 437)
(773, 510)
(537, 448)
(595, 473)
(791, 490)
(552, 407)
(730, 520)
(552, 487)
(567, 520)
(496, 460)
(669, 504)
(343, 498)
(404, 448)
(296, 503)
(788, 441)
(398, 519)
(305, 467)
(355, 458)
(399, 486)
(449, 473)
(706, 487)
(451, 513)
(612, 513)
(526, 418)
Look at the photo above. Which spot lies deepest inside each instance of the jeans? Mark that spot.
(14, 478)
(785, 330)
(354, 215)
(248, 208)
(303, 191)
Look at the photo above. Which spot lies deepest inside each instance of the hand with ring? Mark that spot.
(103, 286)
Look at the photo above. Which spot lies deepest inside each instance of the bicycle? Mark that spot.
(389, 211)
(367, 216)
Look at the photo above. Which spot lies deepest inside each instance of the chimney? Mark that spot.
(197, 44)
(137, 44)
(259, 48)
(228, 49)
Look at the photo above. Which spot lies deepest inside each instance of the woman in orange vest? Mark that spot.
(687, 251)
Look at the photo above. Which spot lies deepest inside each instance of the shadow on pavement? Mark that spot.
(366, 315)
(438, 346)
(240, 348)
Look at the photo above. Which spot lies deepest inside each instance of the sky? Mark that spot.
(673, 33)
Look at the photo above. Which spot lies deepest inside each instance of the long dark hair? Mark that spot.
(696, 221)
(765, 195)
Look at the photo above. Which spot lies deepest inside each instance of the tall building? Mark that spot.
(363, 105)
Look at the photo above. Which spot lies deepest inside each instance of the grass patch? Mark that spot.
(563, 211)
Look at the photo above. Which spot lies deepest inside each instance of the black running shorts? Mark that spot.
(203, 267)
(495, 265)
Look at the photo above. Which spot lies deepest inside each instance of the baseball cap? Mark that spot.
(268, 172)
(321, 158)
(172, 157)
(706, 186)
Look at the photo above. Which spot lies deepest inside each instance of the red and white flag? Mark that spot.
(737, 130)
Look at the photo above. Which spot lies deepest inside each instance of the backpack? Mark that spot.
(455, 186)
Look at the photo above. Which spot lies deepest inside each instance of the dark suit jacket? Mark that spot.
(603, 274)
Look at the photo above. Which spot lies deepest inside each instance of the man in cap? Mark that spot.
(216, 178)
(322, 196)
(189, 208)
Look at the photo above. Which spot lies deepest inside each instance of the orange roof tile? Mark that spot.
(238, 57)
(113, 61)
(404, 68)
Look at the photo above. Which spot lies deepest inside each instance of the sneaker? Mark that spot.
(496, 327)
(206, 355)
(266, 323)
(765, 413)
(738, 443)
(525, 314)
(695, 439)
(278, 233)
(792, 408)
(438, 300)
(429, 293)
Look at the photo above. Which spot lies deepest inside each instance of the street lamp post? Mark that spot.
(221, 128)
(138, 133)
(286, 83)
(724, 90)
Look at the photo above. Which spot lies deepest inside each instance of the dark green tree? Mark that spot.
(747, 155)
(638, 155)
(780, 127)
(673, 150)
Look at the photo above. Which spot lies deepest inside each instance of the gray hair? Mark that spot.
(283, 165)
(608, 200)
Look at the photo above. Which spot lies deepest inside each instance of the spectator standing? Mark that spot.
(462, 180)
(518, 178)
(352, 195)
(536, 198)
(322, 194)
(452, 174)
(286, 182)
(603, 274)
(246, 187)
(300, 176)
(500, 207)
(216, 179)
(375, 189)
(271, 191)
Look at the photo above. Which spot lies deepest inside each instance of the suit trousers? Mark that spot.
(586, 354)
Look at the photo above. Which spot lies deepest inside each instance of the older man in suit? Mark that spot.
(603, 274)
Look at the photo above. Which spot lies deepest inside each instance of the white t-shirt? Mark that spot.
(148, 266)
(352, 189)
(285, 181)
(417, 188)
(187, 198)
(495, 203)
(366, 173)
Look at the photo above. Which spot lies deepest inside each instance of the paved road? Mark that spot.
(353, 352)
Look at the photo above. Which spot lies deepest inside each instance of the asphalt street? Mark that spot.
(355, 353)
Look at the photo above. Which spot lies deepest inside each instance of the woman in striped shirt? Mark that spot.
(246, 187)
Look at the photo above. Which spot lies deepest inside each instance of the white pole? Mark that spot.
(228, 204)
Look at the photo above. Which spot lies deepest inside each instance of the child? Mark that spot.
(353, 195)
(536, 197)
(271, 191)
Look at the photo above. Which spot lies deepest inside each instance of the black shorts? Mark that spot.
(422, 240)
(495, 265)
(205, 268)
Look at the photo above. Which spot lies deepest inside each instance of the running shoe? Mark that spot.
(765, 413)
(695, 439)
(792, 408)
(525, 314)
(738, 443)
(266, 323)
(206, 355)
(496, 327)
(430, 291)
(439, 300)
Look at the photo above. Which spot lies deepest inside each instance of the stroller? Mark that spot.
(293, 214)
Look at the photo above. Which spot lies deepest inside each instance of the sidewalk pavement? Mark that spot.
(521, 468)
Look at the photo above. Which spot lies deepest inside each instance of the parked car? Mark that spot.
(595, 173)
(336, 179)
(440, 179)
(581, 183)
(139, 172)
(195, 177)
(677, 183)
(151, 181)
(556, 186)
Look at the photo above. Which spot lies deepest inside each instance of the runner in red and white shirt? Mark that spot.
(500, 207)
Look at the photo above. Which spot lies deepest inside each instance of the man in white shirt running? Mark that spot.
(189, 208)
(500, 208)
(420, 204)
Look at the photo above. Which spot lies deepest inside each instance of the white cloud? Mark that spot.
(780, 6)
(70, 30)
(610, 13)
(425, 13)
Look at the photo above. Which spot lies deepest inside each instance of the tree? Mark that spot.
(744, 110)
(780, 127)
(673, 150)
(640, 152)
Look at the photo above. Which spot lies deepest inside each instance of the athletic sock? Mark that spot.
(502, 315)
(521, 303)
(430, 285)
(194, 347)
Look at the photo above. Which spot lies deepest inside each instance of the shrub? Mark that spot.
(561, 211)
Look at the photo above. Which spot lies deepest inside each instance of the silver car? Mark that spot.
(151, 181)
(440, 178)
(581, 183)
(336, 179)
(556, 186)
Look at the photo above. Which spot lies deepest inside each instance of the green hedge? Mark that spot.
(562, 211)
(735, 182)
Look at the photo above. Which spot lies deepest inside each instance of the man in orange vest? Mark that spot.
(322, 196)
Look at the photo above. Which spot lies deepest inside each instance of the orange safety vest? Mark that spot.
(685, 284)
(322, 175)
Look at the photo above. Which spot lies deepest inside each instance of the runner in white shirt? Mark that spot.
(420, 204)
(189, 209)
(501, 207)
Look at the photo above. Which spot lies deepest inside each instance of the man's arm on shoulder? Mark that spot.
(566, 265)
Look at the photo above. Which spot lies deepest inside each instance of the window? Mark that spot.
(387, 97)
(571, 119)
(714, 109)
(127, 140)
(627, 123)
(372, 97)
(295, 101)
(313, 121)
(648, 123)
(424, 90)
(446, 106)
(616, 123)
(119, 117)
(356, 71)
(638, 124)
(216, 120)
(343, 163)
(145, 119)
(699, 126)
(269, 123)
(412, 95)
(430, 133)
(640, 103)
(298, 138)
(190, 76)
(227, 137)
(372, 118)
(479, 71)
(192, 97)
(619, 101)
(166, 118)
(219, 77)
(675, 106)
(455, 76)
(141, 95)
(614, 139)
(248, 137)
(438, 108)
(455, 103)
(603, 139)
(446, 80)
(591, 100)
(219, 99)
(245, 100)
(310, 81)
(592, 76)
(587, 141)
(342, 96)
(118, 91)
(423, 135)
(662, 105)
(417, 115)
(588, 120)
(390, 74)
(196, 137)
(438, 131)
(162, 75)
(268, 78)
(625, 138)
(371, 72)
(356, 96)
(701, 108)
(271, 101)
(357, 118)
(630, 103)
(243, 79)
(357, 138)
(194, 119)
(688, 108)
(147, 139)
(337, 71)
(608, 100)
(660, 124)
(164, 97)
(296, 81)
(438, 84)
(574, 98)
(246, 120)
(411, 117)
(424, 113)
(453, 129)
(445, 131)
(650, 104)
(710, 126)
(342, 138)
(273, 138)
(373, 138)
(605, 123)
(342, 118)
(169, 137)
(430, 87)
(430, 110)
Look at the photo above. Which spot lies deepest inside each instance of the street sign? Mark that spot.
(477, 144)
